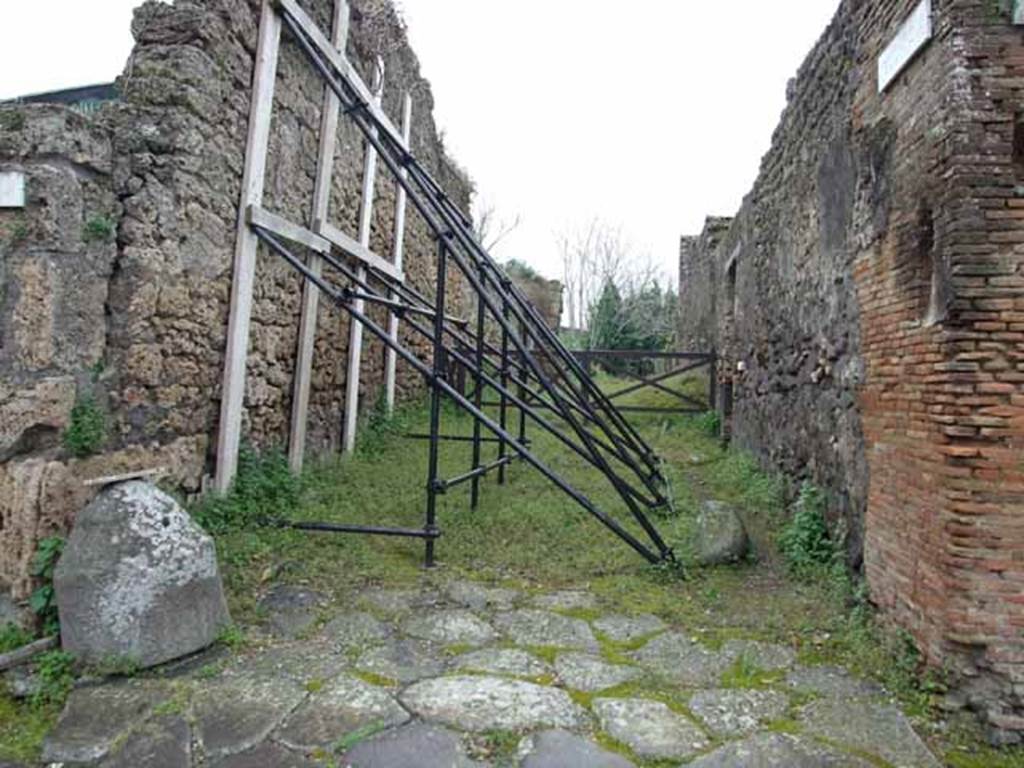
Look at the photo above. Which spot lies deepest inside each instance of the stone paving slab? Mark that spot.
(566, 600)
(416, 745)
(458, 627)
(490, 703)
(770, 657)
(299, 663)
(583, 672)
(502, 661)
(733, 712)
(343, 706)
(650, 728)
(403, 660)
(165, 742)
(355, 630)
(401, 601)
(777, 750)
(876, 728)
(831, 682)
(676, 658)
(562, 749)
(478, 597)
(266, 755)
(290, 610)
(626, 629)
(97, 717)
(543, 628)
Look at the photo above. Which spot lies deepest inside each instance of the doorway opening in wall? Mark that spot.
(730, 288)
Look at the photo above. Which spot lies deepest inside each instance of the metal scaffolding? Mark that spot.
(506, 351)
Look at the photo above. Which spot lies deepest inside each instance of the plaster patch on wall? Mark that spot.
(912, 37)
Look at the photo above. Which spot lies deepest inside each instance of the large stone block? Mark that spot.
(138, 580)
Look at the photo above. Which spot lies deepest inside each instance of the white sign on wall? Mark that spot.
(12, 189)
(915, 33)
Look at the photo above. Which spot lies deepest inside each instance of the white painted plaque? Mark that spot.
(12, 189)
(912, 37)
(1018, 11)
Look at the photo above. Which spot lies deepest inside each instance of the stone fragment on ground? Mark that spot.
(234, 714)
(770, 657)
(395, 602)
(566, 600)
(721, 535)
(266, 755)
(777, 750)
(502, 661)
(355, 630)
(877, 728)
(490, 703)
(676, 658)
(650, 728)
(343, 706)
(165, 742)
(543, 628)
(478, 597)
(138, 580)
(417, 745)
(562, 749)
(403, 660)
(626, 629)
(583, 672)
(735, 712)
(96, 718)
(831, 682)
(290, 610)
(450, 627)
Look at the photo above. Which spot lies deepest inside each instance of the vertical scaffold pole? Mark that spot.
(433, 481)
(478, 393)
(503, 401)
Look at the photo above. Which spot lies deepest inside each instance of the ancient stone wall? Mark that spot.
(137, 319)
(868, 301)
(698, 280)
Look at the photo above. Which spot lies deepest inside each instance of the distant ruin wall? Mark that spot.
(868, 304)
(137, 319)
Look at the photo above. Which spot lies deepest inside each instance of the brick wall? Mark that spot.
(879, 276)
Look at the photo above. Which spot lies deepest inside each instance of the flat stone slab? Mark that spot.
(777, 750)
(343, 706)
(458, 627)
(96, 718)
(290, 610)
(876, 728)
(831, 682)
(266, 755)
(626, 629)
(543, 628)
(770, 657)
(583, 672)
(477, 597)
(417, 745)
(566, 600)
(491, 703)
(403, 660)
(400, 601)
(502, 661)
(234, 714)
(678, 659)
(561, 749)
(299, 663)
(738, 712)
(165, 742)
(649, 728)
(355, 630)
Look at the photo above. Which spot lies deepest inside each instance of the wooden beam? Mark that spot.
(357, 250)
(355, 338)
(342, 64)
(26, 653)
(240, 313)
(398, 250)
(310, 293)
(288, 230)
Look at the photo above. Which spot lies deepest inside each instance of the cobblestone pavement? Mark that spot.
(469, 675)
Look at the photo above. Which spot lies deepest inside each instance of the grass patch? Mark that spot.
(743, 673)
(23, 728)
(98, 229)
(374, 679)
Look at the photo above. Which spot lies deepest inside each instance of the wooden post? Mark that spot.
(398, 248)
(355, 339)
(260, 110)
(310, 293)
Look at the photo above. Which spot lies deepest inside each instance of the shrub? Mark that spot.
(805, 541)
(710, 422)
(98, 229)
(265, 490)
(13, 637)
(87, 429)
(55, 670)
(43, 601)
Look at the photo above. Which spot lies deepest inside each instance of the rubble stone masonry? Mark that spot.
(868, 304)
(136, 319)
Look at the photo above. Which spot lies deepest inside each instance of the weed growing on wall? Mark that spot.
(98, 229)
(87, 430)
(13, 637)
(804, 540)
(11, 120)
(43, 601)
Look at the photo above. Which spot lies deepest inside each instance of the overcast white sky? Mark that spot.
(647, 114)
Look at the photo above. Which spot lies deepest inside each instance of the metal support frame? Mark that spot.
(506, 350)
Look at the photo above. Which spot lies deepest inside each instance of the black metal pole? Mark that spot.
(478, 395)
(441, 282)
(503, 402)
